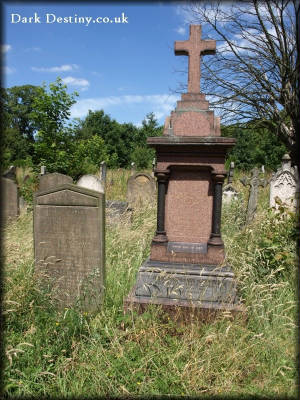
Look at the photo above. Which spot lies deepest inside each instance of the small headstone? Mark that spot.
(91, 182)
(230, 174)
(103, 173)
(22, 204)
(9, 199)
(48, 181)
(153, 167)
(115, 210)
(133, 169)
(284, 185)
(263, 169)
(229, 194)
(254, 182)
(10, 173)
(43, 170)
(69, 244)
(141, 188)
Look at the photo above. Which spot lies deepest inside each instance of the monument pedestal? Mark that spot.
(185, 270)
(186, 265)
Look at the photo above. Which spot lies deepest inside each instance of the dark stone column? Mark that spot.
(162, 182)
(215, 237)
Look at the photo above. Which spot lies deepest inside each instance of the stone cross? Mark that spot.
(254, 183)
(194, 48)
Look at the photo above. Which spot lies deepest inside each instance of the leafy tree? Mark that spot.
(142, 155)
(54, 142)
(254, 147)
(118, 138)
(255, 72)
(18, 127)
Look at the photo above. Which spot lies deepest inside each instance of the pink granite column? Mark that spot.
(162, 181)
(215, 237)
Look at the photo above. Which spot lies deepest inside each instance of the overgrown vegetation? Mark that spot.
(37, 131)
(69, 353)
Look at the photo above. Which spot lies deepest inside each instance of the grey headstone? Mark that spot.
(116, 210)
(48, 181)
(91, 182)
(133, 169)
(69, 244)
(9, 199)
(22, 204)
(153, 167)
(254, 182)
(284, 186)
(10, 173)
(43, 170)
(229, 194)
(103, 173)
(230, 174)
(141, 188)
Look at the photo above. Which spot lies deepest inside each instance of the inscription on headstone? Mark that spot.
(69, 244)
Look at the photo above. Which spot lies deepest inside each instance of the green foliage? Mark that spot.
(54, 142)
(87, 156)
(254, 147)
(17, 124)
(124, 142)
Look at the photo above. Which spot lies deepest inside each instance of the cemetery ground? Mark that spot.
(69, 353)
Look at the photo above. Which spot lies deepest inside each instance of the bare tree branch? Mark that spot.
(254, 75)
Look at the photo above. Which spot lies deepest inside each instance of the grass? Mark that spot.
(68, 353)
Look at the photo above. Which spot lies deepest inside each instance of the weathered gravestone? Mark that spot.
(229, 194)
(254, 182)
(48, 181)
(284, 186)
(116, 211)
(69, 244)
(103, 173)
(9, 200)
(141, 189)
(91, 182)
(230, 173)
(186, 267)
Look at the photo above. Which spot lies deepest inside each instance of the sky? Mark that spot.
(126, 67)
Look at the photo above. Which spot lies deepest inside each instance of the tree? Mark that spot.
(255, 73)
(54, 141)
(18, 126)
(142, 155)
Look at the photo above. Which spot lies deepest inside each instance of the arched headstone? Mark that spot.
(141, 188)
(91, 182)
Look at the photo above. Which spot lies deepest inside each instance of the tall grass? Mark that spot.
(68, 353)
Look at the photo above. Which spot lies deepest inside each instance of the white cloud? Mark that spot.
(161, 104)
(62, 68)
(8, 70)
(180, 30)
(70, 80)
(5, 48)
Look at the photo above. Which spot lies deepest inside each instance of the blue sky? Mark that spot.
(127, 69)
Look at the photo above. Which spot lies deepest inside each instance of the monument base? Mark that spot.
(186, 289)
